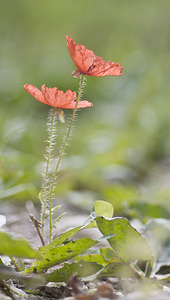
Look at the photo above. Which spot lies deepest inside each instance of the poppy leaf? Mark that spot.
(60, 254)
(82, 268)
(118, 269)
(128, 244)
(16, 247)
(98, 258)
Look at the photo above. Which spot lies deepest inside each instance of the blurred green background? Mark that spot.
(120, 148)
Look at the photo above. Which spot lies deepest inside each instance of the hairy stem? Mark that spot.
(44, 195)
(60, 157)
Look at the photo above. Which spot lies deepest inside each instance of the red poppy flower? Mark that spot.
(56, 98)
(90, 64)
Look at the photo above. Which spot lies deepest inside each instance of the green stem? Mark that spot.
(60, 157)
(15, 264)
(46, 173)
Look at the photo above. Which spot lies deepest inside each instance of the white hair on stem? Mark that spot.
(51, 143)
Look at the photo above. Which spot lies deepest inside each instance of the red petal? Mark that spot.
(64, 99)
(84, 103)
(106, 69)
(81, 104)
(35, 92)
(82, 57)
(50, 95)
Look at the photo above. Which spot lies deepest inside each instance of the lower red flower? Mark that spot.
(56, 98)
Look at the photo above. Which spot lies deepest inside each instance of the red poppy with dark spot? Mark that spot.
(90, 64)
(56, 98)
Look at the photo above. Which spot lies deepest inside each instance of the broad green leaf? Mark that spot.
(98, 258)
(65, 236)
(62, 253)
(83, 269)
(103, 208)
(128, 244)
(16, 247)
(118, 269)
(108, 253)
(60, 239)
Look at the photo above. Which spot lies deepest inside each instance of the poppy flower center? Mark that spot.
(91, 67)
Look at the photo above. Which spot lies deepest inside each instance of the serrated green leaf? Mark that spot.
(16, 247)
(60, 239)
(62, 253)
(128, 244)
(83, 269)
(103, 208)
(65, 236)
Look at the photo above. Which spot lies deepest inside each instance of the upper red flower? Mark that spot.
(56, 98)
(90, 64)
